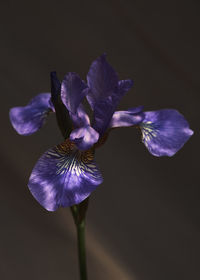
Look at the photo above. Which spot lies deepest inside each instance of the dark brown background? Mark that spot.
(143, 221)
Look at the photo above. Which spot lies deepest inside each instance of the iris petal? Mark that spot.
(130, 117)
(104, 109)
(64, 176)
(72, 91)
(105, 92)
(80, 118)
(165, 132)
(28, 119)
(84, 137)
(102, 80)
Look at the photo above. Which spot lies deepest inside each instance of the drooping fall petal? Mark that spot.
(64, 176)
(30, 118)
(164, 132)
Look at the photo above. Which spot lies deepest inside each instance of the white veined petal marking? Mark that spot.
(148, 131)
(72, 161)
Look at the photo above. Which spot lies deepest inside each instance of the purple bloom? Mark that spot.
(67, 174)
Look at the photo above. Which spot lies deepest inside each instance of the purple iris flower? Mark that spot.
(67, 173)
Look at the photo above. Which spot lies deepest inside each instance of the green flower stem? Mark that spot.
(78, 213)
(81, 250)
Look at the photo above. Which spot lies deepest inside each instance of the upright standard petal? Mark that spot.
(164, 132)
(84, 137)
(104, 109)
(130, 117)
(102, 80)
(72, 91)
(28, 119)
(64, 176)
